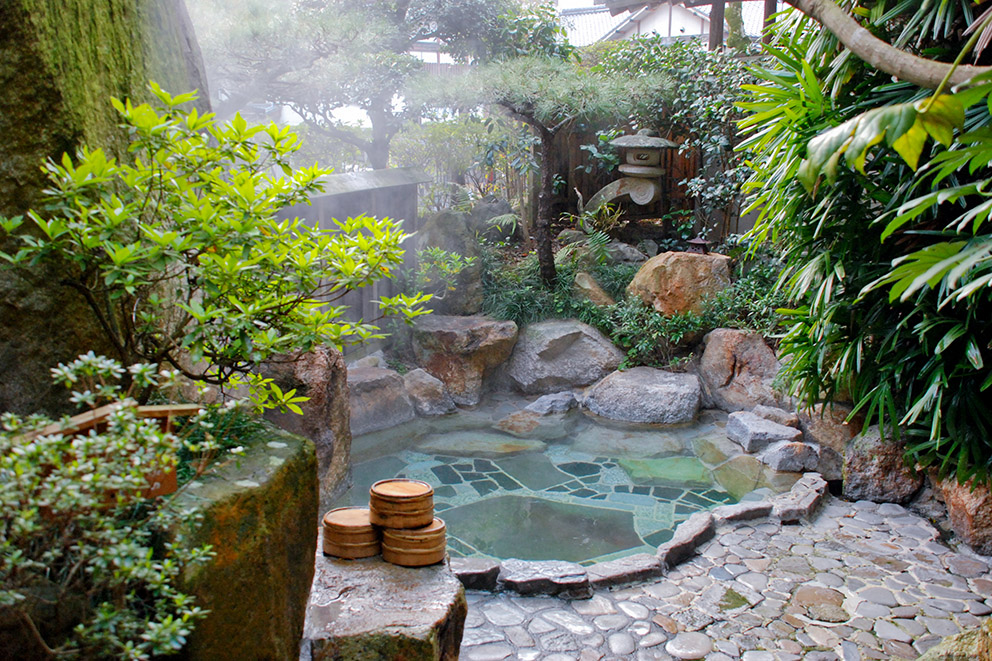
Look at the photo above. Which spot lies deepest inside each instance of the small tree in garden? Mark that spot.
(552, 96)
(183, 259)
(701, 114)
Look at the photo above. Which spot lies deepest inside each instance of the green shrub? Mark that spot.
(182, 258)
(646, 336)
(78, 533)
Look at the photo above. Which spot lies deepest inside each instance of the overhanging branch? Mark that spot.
(884, 57)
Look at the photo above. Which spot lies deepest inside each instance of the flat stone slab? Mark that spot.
(633, 568)
(742, 511)
(559, 402)
(476, 573)
(645, 394)
(755, 433)
(370, 609)
(474, 443)
(550, 577)
(801, 501)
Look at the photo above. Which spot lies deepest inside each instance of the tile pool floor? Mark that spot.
(502, 496)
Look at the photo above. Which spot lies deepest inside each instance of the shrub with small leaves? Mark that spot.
(78, 534)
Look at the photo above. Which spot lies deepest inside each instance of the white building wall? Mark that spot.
(668, 21)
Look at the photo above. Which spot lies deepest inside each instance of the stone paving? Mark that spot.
(857, 581)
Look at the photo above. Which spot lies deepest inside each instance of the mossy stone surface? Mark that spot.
(60, 62)
(260, 515)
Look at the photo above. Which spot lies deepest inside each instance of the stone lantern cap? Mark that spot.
(643, 139)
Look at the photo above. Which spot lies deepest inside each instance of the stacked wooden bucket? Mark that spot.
(399, 522)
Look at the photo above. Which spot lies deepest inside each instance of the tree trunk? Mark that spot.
(545, 255)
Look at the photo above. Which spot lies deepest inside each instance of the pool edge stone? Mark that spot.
(547, 577)
(476, 573)
(629, 569)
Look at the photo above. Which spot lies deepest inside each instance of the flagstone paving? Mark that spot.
(858, 581)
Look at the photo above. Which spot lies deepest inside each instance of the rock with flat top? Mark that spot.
(755, 434)
(551, 577)
(792, 457)
(645, 394)
(370, 609)
(777, 415)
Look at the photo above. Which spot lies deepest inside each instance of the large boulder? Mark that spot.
(793, 457)
(484, 211)
(555, 355)
(737, 369)
(378, 400)
(874, 469)
(60, 63)
(462, 351)
(645, 394)
(428, 394)
(321, 376)
(258, 513)
(675, 282)
(451, 231)
(969, 507)
(370, 609)
(827, 425)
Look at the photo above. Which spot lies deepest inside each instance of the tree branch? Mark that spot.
(884, 57)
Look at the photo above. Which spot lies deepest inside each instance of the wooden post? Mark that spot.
(770, 7)
(716, 24)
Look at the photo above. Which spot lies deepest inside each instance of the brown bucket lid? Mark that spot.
(434, 527)
(401, 488)
(350, 518)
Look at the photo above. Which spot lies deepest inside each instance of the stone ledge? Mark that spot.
(476, 573)
(742, 511)
(690, 534)
(633, 568)
(549, 577)
(806, 495)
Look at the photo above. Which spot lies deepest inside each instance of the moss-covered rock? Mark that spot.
(259, 514)
(60, 62)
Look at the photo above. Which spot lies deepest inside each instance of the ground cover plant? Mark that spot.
(884, 231)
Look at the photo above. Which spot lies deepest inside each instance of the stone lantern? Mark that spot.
(643, 153)
(642, 171)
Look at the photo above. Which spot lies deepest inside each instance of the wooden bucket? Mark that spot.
(401, 503)
(349, 534)
(416, 547)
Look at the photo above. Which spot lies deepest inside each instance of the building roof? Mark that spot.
(587, 25)
(752, 11)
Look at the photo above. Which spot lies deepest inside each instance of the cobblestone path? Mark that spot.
(859, 581)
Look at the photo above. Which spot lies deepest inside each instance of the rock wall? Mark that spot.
(60, 62)
(259, 514)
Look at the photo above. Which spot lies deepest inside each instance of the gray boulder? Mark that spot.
(321, 376)
(737, 369)
(755, 434)
(792, 457)
(555, 355)
(625, 253)
(378, 400)
(428, 394)
(874, 470)
(559, 402)
(645, 394)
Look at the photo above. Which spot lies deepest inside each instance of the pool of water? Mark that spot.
(564, 487)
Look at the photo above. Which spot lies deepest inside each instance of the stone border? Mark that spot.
(573, 581)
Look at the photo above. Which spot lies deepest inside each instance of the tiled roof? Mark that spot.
(587, 25)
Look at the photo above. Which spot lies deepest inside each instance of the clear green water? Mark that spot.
(570, 488)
